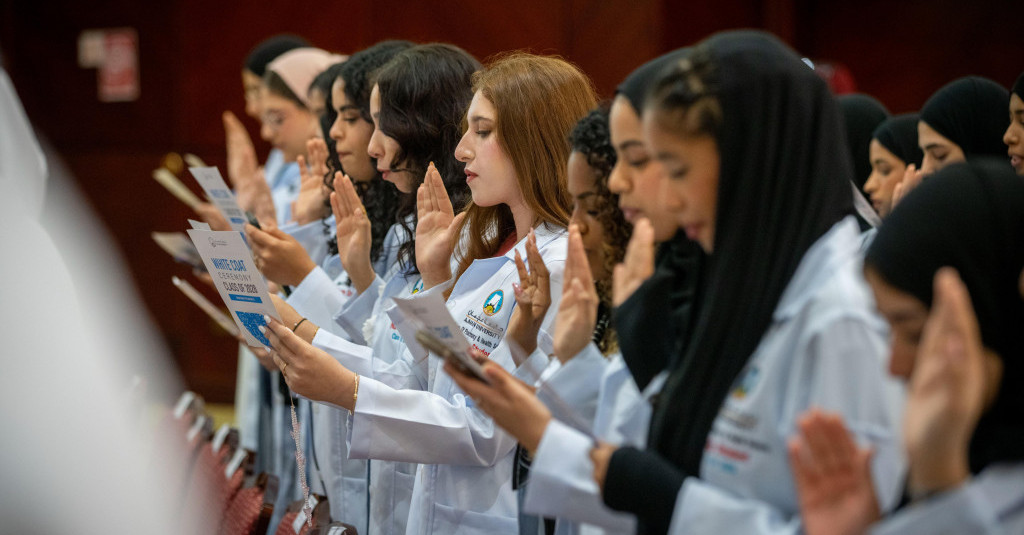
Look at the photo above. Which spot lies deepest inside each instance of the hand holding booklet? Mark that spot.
(239, 283)
(437, 332)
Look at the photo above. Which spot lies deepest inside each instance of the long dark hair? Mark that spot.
(424, 93)
(322, 83)
(380, 199)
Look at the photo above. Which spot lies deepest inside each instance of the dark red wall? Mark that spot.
(191, 52)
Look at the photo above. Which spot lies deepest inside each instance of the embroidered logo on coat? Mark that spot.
(493, 303)
(417, 287)
(746, 382)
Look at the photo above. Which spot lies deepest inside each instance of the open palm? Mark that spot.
(436, 229)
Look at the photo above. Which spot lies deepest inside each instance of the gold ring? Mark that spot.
(283, 368)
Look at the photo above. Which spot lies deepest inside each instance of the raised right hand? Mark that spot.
(832, 476)
(946, 394)
(912, 177)
(577, 310)
(309, 205)
(242, 163)
(638, 264)
(436, 229)
(353, 232)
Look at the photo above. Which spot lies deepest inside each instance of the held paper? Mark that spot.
(220, 195)
(239, 283)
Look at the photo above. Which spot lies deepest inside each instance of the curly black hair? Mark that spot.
(322, 83)
(424, 94)
(380, 199)
(590, 137)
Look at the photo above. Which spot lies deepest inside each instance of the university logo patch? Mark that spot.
(493, 303)
(746, 382)
(418, 286)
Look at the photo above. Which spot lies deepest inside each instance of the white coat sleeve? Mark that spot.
(572, 392)
(394, 425)
(704, 508)
(355, 312)
(359, 359)
(312, 236)
(317, 298)
(423, 427)
(991, 503)
(562, 482)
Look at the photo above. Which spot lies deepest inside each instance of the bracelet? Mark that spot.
(297, 323)
(355, 392)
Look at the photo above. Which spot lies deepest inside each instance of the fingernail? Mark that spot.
(516, 288)
(263, 330)
(266, 319)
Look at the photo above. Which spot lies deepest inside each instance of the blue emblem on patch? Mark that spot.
(493, 303)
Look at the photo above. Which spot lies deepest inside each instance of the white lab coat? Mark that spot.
(320, 299)
(313, 237)
(601, 393)
(369, 344)
(826, 348)
(284, 179)
(252, 397)
(991, 503)
(465, 485)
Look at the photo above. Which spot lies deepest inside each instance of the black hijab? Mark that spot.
(861, 114)
(899, 135)
(653, 321)
(970, 112)
(969, 216)
(788, 189)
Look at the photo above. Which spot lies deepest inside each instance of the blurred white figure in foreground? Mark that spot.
(74, 456)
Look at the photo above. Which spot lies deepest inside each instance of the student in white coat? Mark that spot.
(964, 419)
(600, 394)
(784, 320)
(583, 386)
(515, 150)
(427, 84)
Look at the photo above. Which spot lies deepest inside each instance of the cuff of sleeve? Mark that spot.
(529, 370)
(316, 297)
(360, 427)
(645, 484)
(358, 310)
(551, 464)
(577, 386)
(312, 236)
(440, 288)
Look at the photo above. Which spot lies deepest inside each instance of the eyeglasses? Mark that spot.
(274, 119)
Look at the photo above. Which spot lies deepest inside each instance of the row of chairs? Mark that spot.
(220, 486)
